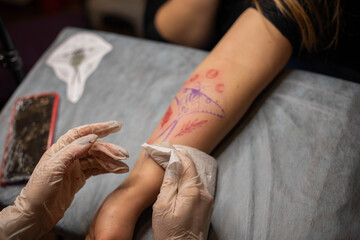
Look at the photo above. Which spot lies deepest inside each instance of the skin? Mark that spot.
(242, 64)
(187, 22)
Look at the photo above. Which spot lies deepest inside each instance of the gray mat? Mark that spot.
(290, 172)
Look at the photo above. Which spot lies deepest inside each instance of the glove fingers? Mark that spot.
(111, 165)
(191, 184)
(88, 162)
(169, 188)
(105, 157)
(111, 150)
(176, 174)
(166, 200)
(189, 169)
(75, 150)
(192, 191)
(195, 201)
(94, 172)
(100, 129)
(105, 162)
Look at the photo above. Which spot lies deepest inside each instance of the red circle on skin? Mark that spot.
(219, 88)
(193, 78)
(166, 117)
(212, 73)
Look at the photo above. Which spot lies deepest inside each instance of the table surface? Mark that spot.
(274, 171)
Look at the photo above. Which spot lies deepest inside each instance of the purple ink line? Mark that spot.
(192, 101)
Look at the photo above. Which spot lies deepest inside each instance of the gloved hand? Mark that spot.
(60, 173)
(184, 206)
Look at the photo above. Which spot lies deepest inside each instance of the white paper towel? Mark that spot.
(76, 59)
(206, 166)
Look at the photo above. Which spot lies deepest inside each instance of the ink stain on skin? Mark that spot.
(149, 141)
(212, 73)
(166, 117)
(219, 88)
(190, 126)
(193, 78)
(192, 101)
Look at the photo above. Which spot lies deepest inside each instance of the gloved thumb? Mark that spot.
(75, 150)
(170, 186)
(173, 172)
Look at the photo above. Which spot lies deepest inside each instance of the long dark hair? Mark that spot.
(314, 27)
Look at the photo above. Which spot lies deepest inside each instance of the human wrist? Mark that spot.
(132, 199)
(139, 192)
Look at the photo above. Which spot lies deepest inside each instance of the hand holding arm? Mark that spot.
(217, 95)
(184, 206)
(60, 173)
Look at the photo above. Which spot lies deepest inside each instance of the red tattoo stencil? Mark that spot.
(190, 126)
(166, 117)
(150, 141)
(219, 87)
(212, 73)
(193, 78)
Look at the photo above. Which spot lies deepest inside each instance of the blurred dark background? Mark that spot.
(34, 24)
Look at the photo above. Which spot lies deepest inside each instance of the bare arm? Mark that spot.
(209, 104)
(187, 22)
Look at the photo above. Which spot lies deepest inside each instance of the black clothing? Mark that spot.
(341, 61)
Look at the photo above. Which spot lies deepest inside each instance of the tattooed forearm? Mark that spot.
(193, 98)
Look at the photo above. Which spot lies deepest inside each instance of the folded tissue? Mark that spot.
(76, 59)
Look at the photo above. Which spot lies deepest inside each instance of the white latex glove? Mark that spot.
(60, 173)
(184, 206)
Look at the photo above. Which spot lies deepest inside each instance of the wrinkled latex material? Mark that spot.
(60, 173)
(184, 206)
